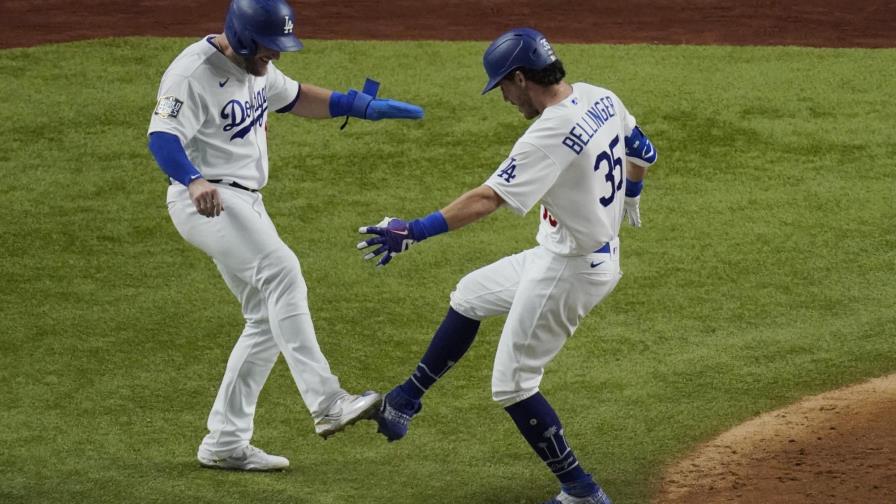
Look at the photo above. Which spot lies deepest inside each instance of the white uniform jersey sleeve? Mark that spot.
(572, 160)
(524, 177)
(282, 91)
(629, 120)
(179, 108)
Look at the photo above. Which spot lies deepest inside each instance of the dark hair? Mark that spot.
(547, 76)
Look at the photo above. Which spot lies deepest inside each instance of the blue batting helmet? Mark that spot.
(520, 47)
(269, 23)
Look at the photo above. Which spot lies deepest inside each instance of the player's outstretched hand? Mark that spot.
(631, 211)
(391, 234)
(392, 109)
(206, 198)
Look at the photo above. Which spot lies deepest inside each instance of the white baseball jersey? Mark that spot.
(572, 160)
(218, 111)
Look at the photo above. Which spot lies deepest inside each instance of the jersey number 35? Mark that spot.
(613, 163)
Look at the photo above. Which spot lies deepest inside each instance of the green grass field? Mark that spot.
(764, 271)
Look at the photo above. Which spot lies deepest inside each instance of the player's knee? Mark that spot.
(255, 323)
(506, 396)
(280, 274)
(463, 302)
(279, 262)
(465, 309)
(512, 382)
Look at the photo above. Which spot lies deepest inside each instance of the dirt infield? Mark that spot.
(823, 23)
(838, 447)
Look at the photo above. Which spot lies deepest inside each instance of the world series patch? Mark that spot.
(169, 106)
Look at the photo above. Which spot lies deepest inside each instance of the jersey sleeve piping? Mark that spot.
(289, 106)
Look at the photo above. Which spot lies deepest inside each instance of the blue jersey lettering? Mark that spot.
(508, 172)
(589, 124)
(245, 115)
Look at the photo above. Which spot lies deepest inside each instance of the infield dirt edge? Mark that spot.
(837, 446)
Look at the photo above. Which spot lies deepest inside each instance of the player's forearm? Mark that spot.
(471, 206)
(395, 235)
(313, 102)
(634, 172)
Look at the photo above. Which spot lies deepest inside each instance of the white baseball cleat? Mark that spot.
(347, 410)
(247, 458)
(598, 497)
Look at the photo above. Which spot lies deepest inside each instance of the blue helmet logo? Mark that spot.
(269, 23)
(520, 47)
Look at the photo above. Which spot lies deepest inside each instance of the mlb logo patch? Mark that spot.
(169, 106)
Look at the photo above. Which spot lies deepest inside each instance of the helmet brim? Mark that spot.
(492, 84)
(281, 43)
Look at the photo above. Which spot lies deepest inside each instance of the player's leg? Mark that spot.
(555, 293)
(483, 293)
(245, 242)
(230, 422)
(277, 273)
(450, 342)
(278, 276)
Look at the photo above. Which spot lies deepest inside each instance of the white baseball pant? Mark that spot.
(545, 296)
(265, 276)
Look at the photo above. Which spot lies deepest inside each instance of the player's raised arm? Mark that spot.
(317, 102)
(395, 235)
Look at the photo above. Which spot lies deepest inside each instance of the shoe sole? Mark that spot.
(365, 414)
(212, 465)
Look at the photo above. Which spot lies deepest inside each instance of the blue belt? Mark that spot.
(604, 250)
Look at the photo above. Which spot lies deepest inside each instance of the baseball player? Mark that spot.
(208, 133)
(584, 159)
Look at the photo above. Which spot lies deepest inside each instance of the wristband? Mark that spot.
(429, 226)
(633, 189)
(354, 103)
(340, 104)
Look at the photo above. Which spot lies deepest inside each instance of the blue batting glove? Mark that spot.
(393, 237)
(392, 109)
(365, 105)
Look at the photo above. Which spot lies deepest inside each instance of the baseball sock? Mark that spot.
(539, 424)
(450, 342)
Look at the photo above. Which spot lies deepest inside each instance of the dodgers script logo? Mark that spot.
(245, 115)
